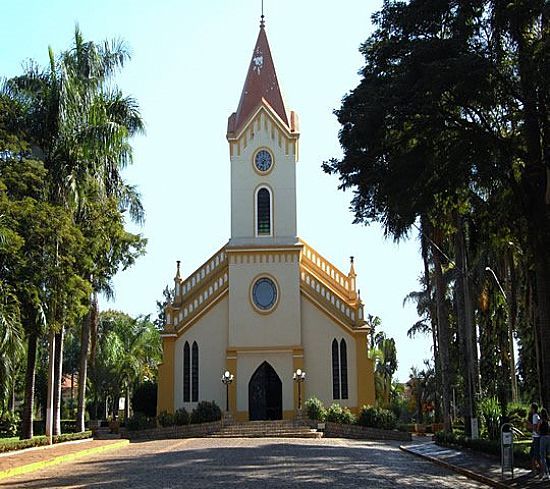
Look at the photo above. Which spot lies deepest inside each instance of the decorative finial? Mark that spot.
(178, 263)
(351, 259)
(262, 21)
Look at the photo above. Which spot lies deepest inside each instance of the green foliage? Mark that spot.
(181, 417)
(140, 422)
(9, 424)
(166, 419)
(206, 412)
(339, 414)
(376, 417)
(144, 400)
(315, 409)
(517, 414)
(490, 414)
(492, 447)
(39, 441)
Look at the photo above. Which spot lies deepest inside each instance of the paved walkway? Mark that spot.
(476, 466)
(248, 463)
(32, 459)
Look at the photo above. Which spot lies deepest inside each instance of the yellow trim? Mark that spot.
(188, 323)
(264, 312)
(271, 153)
(348, 327)
(25, 469)
(264, 349)
(165, 397)
(275, 119)
(365, 373)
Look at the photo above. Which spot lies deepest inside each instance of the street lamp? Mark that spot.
(510, 335)
(299, 376)
(227, 378)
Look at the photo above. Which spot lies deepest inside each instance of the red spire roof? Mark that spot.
(261, 83)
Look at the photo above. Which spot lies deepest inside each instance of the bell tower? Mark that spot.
(263, 147)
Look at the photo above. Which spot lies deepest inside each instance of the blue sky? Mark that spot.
(189, 61)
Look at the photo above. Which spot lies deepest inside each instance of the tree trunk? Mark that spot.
(58, 377)
(82, 374)
(512, 315)
(27, 421)
(444, 339)
(465, 323)
(127, 402)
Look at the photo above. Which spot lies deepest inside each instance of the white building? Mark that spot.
(266, 304)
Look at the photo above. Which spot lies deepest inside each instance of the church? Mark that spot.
(267, 304)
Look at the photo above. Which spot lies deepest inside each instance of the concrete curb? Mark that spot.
(24, 469)
(460, 470)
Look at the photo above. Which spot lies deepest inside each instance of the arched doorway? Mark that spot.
(265, 394)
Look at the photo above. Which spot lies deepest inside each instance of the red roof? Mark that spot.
(261, 83)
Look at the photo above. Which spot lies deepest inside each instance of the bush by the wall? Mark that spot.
(205, 412)
(39, 441)
(9, 424)
(140, 422)
(166, 419)
(315, 409)
(181, 417)
(375, 417)
(144, 399)
(339, 414)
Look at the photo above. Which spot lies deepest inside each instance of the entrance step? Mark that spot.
(267, 429)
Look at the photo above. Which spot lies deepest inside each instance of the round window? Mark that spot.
(264, 293)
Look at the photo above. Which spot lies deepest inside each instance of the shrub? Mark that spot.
(206, 412)
(315, 409)
(490, 414)
(517, 414)
(140, 422)
(144, 399)
(166, 419)
(39, 441)
(181, 417)
(339, 414)
(376, 417)
(9, 424)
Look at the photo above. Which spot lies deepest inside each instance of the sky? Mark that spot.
(188, 66)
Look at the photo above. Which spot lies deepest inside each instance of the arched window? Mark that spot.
(195, 372)
(335, 371)
(186, 372)
(344, 369)
(263, 212)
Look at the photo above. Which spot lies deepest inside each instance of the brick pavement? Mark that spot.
(475, 465)
(31, 459)
(250, 464)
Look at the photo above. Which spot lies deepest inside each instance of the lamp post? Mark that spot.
(299, 376)
(227, 378)
(510, 336)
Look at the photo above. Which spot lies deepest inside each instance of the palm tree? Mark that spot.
(81, 129)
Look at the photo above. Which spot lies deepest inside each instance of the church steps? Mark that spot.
(267, 429)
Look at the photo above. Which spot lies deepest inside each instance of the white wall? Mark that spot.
(245, 180)
(210, 333)
(318, 331)
(247, 326)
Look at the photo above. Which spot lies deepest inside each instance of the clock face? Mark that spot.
(263, 160)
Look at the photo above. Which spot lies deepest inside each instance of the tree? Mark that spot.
(453, 101)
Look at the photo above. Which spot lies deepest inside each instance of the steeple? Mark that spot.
(261, 83)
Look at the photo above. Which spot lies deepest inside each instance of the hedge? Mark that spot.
(39, 441)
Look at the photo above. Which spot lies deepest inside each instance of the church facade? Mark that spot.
(267, 303)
